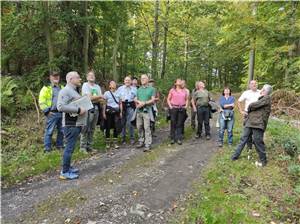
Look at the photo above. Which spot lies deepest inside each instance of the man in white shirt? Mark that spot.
(249, 96)
(93, 90)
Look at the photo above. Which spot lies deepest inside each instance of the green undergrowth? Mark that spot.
(239, 192)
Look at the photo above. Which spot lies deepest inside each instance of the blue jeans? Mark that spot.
(71, 135)
(53, 120)
(226, 124)
(127, 124)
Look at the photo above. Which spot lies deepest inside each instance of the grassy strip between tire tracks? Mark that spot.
(238, 192)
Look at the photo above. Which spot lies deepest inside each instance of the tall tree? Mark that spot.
(165, 42)
(155, 42)
(85, 49)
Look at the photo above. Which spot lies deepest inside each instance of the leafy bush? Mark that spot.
(8, 87)
(294, 170)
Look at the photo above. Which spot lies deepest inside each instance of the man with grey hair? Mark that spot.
(144, 100)
(256, 124)
(72, 124)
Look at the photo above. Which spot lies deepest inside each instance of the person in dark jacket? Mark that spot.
(256, 123)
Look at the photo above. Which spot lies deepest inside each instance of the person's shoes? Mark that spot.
(172, 141)
(47, 150)
(220, 144)
(60, 148)
(207, 137)
(132, 142)
(140, 145)
(197, 136)
(116, 146)
(107, 144)
(230, 145)
(68, 176)
(74, 170)
(233, 158)
(260, 164)
(179, 142)
(147, 148)
(123, 141)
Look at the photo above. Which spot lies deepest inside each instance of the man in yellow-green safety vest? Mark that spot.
(48, 104)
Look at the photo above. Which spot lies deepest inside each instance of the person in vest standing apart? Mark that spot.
(178, 100)
(112, 112)
(249, 96)
(127, 93)
(144, 100)
(226, 117)
(256, 124)
(93, 90)
(200, 104)
(74, 118)
(48, 104)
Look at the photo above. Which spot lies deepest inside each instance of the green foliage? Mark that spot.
(294, 170)
(8, 86)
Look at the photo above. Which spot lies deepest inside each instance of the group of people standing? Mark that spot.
(118, 109)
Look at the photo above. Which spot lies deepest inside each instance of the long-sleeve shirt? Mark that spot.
(223, 101)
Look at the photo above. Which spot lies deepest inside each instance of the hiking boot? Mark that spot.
(68, 176)
(123, 141)
(132, 142)
(197, 136)
(260, 164)
(115, 143)
(179, 142)
(233, 158)
(74, 170)
(140, 145)
(107, 144)
(172, 141)
(220, 144)
(207, 137)
(147, 148)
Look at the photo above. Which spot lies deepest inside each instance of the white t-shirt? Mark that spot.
(249, 96)
(93, 90)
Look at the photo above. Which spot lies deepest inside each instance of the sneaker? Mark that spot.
(233, 158)
(172, 142)
(179, 142)
(147, 148)
(140, 145)
(60, 148)
(197, 136)
(220, 144)
(68, 176)
(132, 142)
(260, 164)
(74, 170)
(123, 141)
(84, 150)
(207, 137)
(116, 146)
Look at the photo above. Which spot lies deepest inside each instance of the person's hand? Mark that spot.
(50, 114)
(140, 105)
(195, 109)
(82, 111)
(170, 106)
(121, 114)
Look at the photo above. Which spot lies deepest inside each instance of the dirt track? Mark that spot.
(128, 187)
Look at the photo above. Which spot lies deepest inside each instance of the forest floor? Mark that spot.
(191, 183)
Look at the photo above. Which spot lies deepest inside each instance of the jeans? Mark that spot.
(53, 120)
(127, 124)
(111, 123)
(87, 132)
(144, 130)
(258, 140)
(203, 117)
(178, 116)
(226, 124)
(71, 135)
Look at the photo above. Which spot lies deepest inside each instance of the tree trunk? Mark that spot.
(252, 50)
(166, 27)
(47, 31)
(86, 41)
(115, 53)
(155, 41)
(186, 48)
(104, 54)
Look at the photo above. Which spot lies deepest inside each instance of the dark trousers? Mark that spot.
(193, 118)
(178, 116)
(110, 123)
(258, 140)
(53, 121)
(250, 139)
(203, 117)
(71, 135)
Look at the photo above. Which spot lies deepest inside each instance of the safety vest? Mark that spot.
(45, 97)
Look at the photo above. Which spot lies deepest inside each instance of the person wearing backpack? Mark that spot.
(112, 114)
(226, 116)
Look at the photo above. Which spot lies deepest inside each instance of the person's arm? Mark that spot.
(187, 100)
(63, 105)
(169, 99)
(42, 101)
(121, 108)
(231, 104)
(194, 104)
(258, 104)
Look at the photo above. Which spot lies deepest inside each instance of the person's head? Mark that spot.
(127, 81)
(178, 83)
(226, 91)
(152, 82)
(134, 81)
(183, 83)
(266, 90)
(201, 85)
(73, 78)
(144, 79)
(90, 76)
(112, 85)
(253, 85)
(54, 78)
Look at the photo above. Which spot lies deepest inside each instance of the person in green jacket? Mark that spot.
(48, 104)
